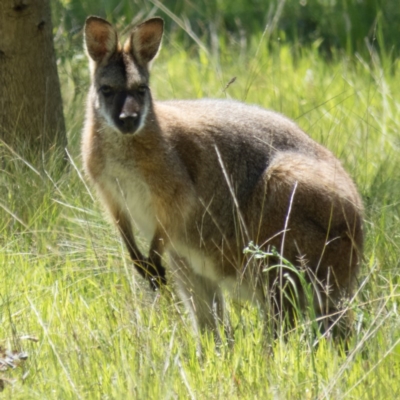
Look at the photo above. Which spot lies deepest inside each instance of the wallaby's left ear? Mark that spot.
(146, 39)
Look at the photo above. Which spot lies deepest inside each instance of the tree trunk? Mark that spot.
(31, 114)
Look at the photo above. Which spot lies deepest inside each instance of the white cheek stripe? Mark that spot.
(143, 116)
(110, 121)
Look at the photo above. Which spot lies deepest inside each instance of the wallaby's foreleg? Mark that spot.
(149, 268)
(154, 262)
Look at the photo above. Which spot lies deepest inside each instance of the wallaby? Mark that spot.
(201, 179)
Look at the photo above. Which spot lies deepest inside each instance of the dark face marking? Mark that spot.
(125, 107)
(123, 95)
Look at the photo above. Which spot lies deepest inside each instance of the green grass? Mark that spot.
(66, 279)
(345, 25)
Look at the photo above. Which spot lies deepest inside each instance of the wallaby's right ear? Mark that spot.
(101, 39)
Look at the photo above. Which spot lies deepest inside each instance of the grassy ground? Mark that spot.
(69, 297)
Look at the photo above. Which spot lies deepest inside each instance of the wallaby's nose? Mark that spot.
(124, 115)
(129, 115)
(128, 122)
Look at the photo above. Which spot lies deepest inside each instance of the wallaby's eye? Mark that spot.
(142, 89)
(106, 90)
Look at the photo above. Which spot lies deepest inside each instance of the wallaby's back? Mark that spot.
(267, 160)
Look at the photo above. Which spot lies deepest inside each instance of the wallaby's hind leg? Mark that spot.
(202, 297)
(313, 214)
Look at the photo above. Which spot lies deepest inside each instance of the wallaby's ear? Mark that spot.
(101, 39)
(146, 39)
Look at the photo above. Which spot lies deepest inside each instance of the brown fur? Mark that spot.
(203, 178)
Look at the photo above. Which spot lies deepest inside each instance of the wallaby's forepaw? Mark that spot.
(155, 273)
(156, 282)
(152, 271)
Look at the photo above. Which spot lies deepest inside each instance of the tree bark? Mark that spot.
(31, 114)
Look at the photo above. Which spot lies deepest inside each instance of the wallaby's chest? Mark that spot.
(131, 193)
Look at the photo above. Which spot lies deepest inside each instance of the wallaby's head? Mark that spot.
(120, 74)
